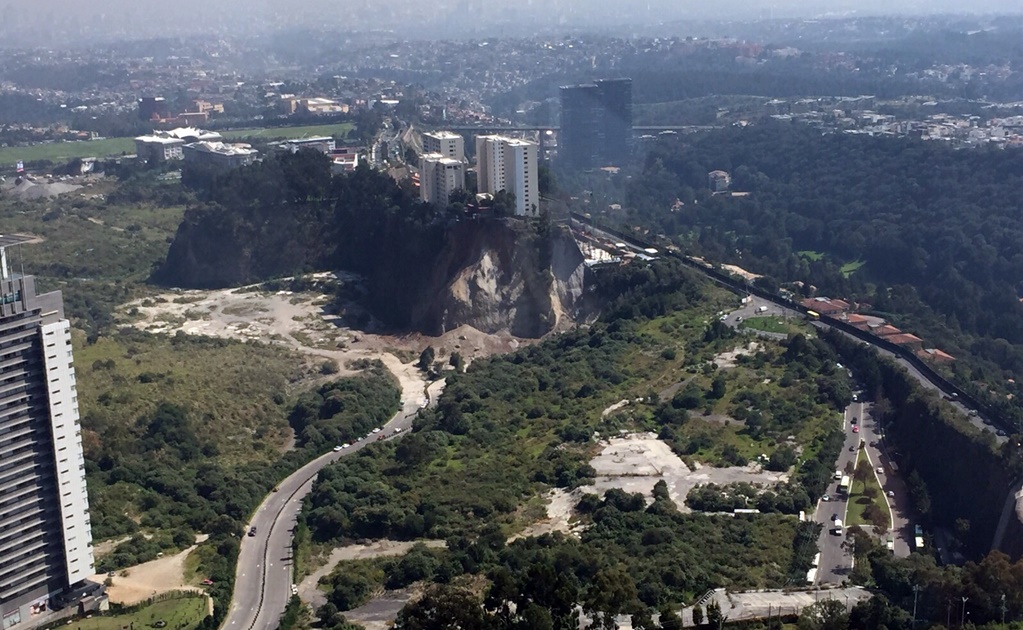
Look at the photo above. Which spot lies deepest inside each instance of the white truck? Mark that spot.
(761, 309)
(836, 527)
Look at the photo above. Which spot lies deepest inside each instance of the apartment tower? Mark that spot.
(596, 123)
(449, 145)
(509, 164)
(45, 537)
(439, 176)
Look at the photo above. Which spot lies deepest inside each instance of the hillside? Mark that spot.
(426, 269)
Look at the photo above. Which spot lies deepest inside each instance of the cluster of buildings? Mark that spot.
(46, 550)
(877, 326)
(502, 164)
(156, 109)
(194, 146)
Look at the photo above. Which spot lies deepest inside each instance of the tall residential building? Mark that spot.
(45, 536)
(596, 123)
(450, 145)
(439, 176)
(509, 164)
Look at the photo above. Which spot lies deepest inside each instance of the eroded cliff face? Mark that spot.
(494, 275)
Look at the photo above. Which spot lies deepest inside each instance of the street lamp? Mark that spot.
(916, 592)
(962, 615)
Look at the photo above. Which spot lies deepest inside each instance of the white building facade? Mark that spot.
(45, 532)
(439, 176)
(448, 144)
(509, 164)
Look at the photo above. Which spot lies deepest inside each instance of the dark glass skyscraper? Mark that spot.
(596, 123)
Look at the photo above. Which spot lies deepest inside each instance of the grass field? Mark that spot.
(859, 501)
(849, 269)
(61, 151)
(774, 324)
(183, 613)
(811, 255)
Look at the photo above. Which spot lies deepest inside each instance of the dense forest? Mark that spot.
(926, 234)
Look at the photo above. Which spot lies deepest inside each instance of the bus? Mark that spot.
(843, 485)
(813, 315)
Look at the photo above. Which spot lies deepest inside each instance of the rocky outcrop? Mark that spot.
(494, 275)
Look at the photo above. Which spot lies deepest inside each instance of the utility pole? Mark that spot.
(962, 615)
(916, 592)
(1003, 609)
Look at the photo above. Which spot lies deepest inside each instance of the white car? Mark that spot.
(880, 470)
(338, 448)
(397, 429)
(376, 430)
(345, 445)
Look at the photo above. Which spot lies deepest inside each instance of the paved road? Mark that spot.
(886, 471)
(263, 578)
(836, 562)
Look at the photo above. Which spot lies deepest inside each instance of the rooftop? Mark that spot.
(221, 148)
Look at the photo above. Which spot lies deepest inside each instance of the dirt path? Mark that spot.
(140, 582)
(310, 594)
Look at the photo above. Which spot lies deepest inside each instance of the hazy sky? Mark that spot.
(53, 22)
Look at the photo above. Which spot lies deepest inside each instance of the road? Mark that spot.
(263, 578)
(836, 561)
(896, 494)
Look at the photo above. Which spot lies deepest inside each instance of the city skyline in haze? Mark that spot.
(53, 23)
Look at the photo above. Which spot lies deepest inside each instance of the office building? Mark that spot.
(596, 123)
(439, 176)
(219, 155)
(450, 145)
(45, 536)
(163, 146)
(509, 164)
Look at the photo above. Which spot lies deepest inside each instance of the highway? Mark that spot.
(263, 578)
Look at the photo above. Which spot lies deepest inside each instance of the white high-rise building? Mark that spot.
(439, 176)
(450, 145)
(45, 532)
(509, 164)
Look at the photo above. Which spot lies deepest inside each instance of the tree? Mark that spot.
(827, 614)
(715, 619)
(426, 358)
(697, 615)
(443, 608)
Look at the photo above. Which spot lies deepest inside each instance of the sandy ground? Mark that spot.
(307, 589)
(134, 584)
(727, 359)
(560, 510)
(301, 321)
(635, 463)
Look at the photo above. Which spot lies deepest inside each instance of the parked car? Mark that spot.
(890, 494)
(376, 430)
(826, 497)
(856, 428)
(337, 448)
(880, 470)
(252, 531)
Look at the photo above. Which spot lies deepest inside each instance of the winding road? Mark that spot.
(263, 578)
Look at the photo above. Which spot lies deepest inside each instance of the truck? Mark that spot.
(843, 485)
(761, 309)
(836, 528)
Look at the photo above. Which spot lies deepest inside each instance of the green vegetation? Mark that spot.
(511, 427)
(867, 505)
(62, 151)
(180, 611)
(774, 324)
(850, 268)
(924, 263)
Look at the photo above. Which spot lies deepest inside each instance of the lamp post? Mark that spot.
(962, 615)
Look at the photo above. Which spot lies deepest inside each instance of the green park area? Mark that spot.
(179, 613)
(775, 324)
(849, 269)
(867, 506)
(109, 147)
